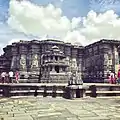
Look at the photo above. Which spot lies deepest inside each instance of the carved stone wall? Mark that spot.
(92, 62)
(100, 58)
(26, 56)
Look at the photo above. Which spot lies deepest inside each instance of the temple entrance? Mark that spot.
(57, 69)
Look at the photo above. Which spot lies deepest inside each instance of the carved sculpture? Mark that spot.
(75, 79)
(23, 62)
(35, 61)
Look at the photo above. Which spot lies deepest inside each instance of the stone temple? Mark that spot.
(53, 61)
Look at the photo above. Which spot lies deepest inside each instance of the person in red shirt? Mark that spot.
(118, 76)
(112, 78)
(17, 76)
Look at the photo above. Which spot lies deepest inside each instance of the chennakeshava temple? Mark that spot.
(53, 61)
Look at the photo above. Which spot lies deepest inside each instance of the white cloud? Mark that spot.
(39, 21)
(100, 26)
(7, 34)
(76, 37)
(76, 22)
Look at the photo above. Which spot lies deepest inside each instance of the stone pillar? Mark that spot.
(48, 58)
(58, 58)
(54, 58)
(23, 61)
(80, 65)
(93, 91)
(118, 49)
(23, 66)
(106, 50)
(34, 69)
(48, 74)
(14, 62)
(45, 71)
(45, 91)
(54, 89)
(116, 54)
(34, 62)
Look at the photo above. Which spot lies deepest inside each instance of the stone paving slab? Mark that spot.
(35, 108)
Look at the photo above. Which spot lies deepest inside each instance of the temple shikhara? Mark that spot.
(53, 61)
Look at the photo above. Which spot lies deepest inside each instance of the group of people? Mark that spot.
(7, 77)
(113, 77)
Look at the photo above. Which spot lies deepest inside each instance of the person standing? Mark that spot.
(7, 77)
(17, 76)
(112, 78)
(118, 76)
(11, 76)
(3, 74)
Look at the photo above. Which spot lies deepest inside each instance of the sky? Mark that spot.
(78, 22)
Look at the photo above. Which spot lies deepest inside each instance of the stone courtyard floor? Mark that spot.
(37, 108)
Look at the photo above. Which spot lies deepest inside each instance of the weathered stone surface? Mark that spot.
(61, 109)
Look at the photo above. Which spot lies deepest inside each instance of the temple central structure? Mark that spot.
(54, 66)
(53, 61)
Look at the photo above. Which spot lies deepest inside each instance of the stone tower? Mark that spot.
(54, 66)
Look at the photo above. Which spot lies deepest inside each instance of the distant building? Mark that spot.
(54, 61)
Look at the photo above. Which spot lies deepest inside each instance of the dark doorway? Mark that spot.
(78, 93)
(57, 69)
(56, 58)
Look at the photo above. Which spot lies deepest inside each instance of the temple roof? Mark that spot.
(52, 41)
(106, 41)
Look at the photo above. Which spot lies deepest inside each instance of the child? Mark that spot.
(17, 76)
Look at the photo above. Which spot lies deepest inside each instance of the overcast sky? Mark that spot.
(75, 21)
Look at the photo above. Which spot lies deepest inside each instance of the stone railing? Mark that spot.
(36, 89)
(61, 90)
(8, 90)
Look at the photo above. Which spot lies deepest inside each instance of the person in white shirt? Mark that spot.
(3, 74)
(11, 76)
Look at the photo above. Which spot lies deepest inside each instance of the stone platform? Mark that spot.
(36, 108)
